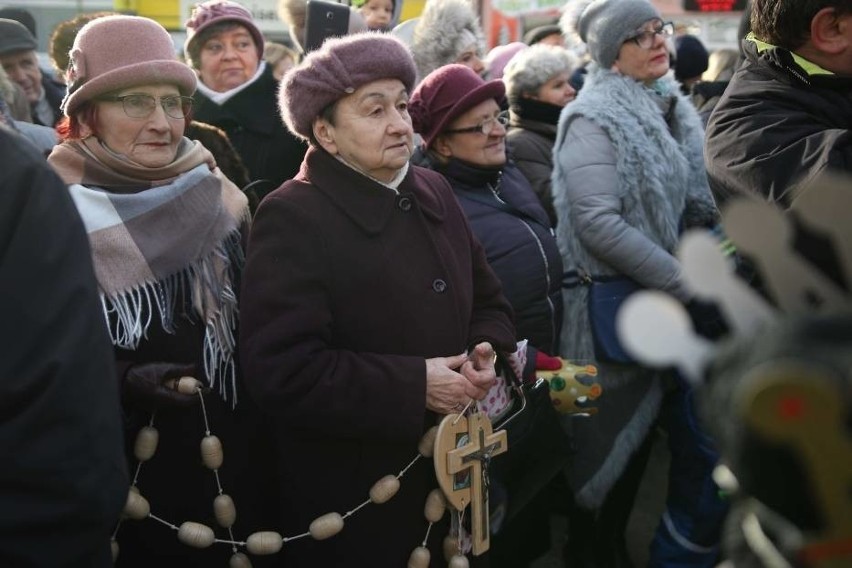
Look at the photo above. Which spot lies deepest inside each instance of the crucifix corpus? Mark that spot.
(464, 447)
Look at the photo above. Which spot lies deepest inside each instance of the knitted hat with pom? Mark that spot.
(100, 61)
(337, 69)
(445, 94)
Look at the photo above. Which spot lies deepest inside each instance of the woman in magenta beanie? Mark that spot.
(165, 229)
(369, 311)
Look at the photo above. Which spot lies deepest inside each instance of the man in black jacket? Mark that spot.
(63, 479)
(787, 113)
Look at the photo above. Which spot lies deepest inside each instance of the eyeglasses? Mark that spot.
(485, 127)
(645, 39)
(143, 106)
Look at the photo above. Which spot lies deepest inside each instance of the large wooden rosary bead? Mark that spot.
(211, 452)
(196, 535)
(224, 510)
(450, 547)
(435, 506)
(427, 442)
(239, 560)
(326, 526)
(384, 489)
(264, 542)
(419, 558)
(136, 507)
(146, 443)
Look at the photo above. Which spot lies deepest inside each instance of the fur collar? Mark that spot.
(660, 163)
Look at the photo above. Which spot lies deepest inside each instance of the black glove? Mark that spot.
(707, 319)
(143, 386)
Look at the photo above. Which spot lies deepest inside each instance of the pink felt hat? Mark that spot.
(100, 61)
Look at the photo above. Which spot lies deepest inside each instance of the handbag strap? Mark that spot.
(517, 387)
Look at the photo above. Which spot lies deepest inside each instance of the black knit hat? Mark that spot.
(692, 58)
(15, 37)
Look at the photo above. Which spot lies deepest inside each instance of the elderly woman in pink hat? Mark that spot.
(165, 229)
(237, 91)
(369, 310)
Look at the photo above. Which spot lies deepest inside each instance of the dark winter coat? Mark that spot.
(253, 124)
(777, 127)
(348, 287)
(519, 244)
(54, 92)
(63, 481)
(530, 143)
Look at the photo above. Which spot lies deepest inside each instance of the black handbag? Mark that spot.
(606, 296)
(538, 450)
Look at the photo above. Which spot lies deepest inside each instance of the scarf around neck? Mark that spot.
(531, 109)
(161, 238)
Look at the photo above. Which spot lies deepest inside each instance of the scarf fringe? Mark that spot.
(202, 288)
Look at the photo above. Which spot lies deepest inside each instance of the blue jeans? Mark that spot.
(689, 532)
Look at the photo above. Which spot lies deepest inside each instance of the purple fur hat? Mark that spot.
(100, 61)
(337, 69)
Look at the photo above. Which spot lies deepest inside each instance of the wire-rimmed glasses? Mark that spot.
(485, 127)
(140, 105)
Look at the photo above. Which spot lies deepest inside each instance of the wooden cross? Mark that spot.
(472, 457)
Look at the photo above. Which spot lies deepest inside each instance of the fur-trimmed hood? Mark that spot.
(439, 36)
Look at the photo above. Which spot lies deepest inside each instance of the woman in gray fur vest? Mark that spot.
(628, 178)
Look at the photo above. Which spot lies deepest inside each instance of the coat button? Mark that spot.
(404, 203)
(439, 286)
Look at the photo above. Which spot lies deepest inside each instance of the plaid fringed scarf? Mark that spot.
(160, 237)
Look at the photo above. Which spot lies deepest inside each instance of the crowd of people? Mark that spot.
(241, 286)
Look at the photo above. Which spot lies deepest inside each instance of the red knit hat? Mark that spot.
(212, 12)
(102, 61)
(337, 69)
(445, 94)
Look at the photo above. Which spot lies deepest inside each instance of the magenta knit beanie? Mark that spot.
(445, 94)
(212, 12)
(337, 69)
(116, 52)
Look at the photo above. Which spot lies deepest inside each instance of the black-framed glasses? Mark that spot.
(142, 106)
(486, 127)
(645, 38)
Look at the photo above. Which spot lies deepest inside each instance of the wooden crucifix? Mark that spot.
(464, 447)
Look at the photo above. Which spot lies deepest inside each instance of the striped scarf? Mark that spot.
(161, 237)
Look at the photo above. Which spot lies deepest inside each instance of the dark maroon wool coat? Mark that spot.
(348, 288)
